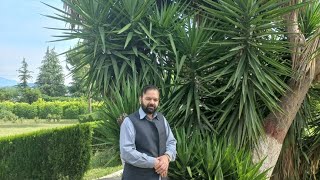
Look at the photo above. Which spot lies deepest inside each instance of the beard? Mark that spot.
(148, 109)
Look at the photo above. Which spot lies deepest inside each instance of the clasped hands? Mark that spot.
(162, 165)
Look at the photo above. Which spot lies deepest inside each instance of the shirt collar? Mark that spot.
(143, 114)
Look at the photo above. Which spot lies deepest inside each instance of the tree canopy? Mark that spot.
(24, 74)
(238, 70)
(50, 79)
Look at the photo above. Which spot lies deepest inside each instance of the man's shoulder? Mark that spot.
(134, 116)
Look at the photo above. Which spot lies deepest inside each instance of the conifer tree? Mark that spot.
(51, 79)
(24, 74)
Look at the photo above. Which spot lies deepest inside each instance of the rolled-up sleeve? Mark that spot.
(128, 149)
(170, 143)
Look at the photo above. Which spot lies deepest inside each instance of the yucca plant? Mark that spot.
(211, 159)
(228, 67)
(115, 108)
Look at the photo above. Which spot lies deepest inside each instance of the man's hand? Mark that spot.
(163, 165)
(156, 162)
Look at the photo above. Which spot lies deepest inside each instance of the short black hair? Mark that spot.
(149, 87)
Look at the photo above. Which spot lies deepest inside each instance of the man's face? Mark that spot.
(150, 101)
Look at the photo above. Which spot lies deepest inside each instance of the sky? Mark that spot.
(23, 35)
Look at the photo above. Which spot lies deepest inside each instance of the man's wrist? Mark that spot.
(168, 156)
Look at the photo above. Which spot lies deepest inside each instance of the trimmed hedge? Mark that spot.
(62, 153)
(71, 112)
(91, 117)
(25, 110)
(51, 108)
(42, 109)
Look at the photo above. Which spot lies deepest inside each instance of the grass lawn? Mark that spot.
(28, 125)
(100, 165)
(100, 172)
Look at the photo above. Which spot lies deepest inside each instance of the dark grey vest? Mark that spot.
(150, 139)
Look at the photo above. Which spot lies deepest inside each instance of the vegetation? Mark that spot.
(52, 154)
(100, 165)
(9, 93)
(42, 109)
(6, 115)
(50, 79)
(73, 58)
(24, 74)
(229, 69)
(15, 127)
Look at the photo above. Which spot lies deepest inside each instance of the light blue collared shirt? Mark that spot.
(128, 149)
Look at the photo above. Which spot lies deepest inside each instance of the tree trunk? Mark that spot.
(89, 101)
(276, 125)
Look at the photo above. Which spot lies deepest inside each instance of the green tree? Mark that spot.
(24, 74)
(74, 59)
(30, 95)
(238, 69)
(9, 94)
(51, 79)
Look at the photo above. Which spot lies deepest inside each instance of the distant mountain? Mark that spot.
(31, 85)
(7, 82)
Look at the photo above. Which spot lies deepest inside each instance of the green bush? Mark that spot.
(71, 112)
(64, 109)
(50, 108)
(8, 105)
(53, 99)
(53, 117)
(83, 108)
(7, 115)
(62, 153)
(30, 95)
(25, 110)
(89, 117)
(203, 156)
(9, 94)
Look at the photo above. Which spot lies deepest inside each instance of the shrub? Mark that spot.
(52, 108)
(9, 94)
(53, 99)
(203, 156)
(25, 110)
(89, 117)
(83, 108)
(62, 153)
(30, 95)
(63, 109)
(8, 105)
(71, 112)
(7, 115)
(53, 117)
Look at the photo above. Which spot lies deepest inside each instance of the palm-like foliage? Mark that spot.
(114, 110)
(252, 68)
(115, 38)
(213, 160)
(221, 65)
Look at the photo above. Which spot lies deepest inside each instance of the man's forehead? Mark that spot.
(151, 92)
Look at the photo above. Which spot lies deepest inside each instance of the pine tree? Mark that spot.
(74, 59)
(24, 74)
(51, 79)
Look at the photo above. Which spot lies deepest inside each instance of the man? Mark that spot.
(147, 144)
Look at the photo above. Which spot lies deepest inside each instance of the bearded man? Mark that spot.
(147, 144)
